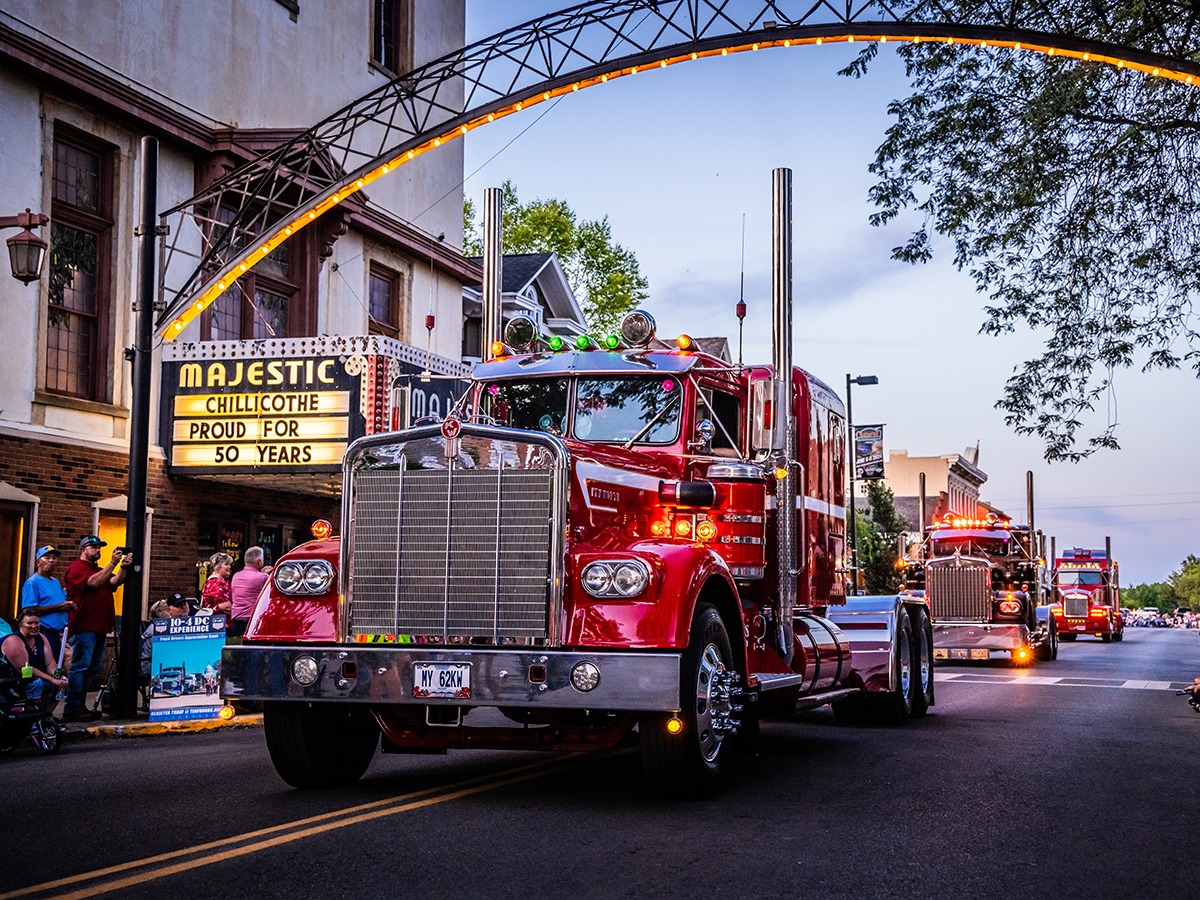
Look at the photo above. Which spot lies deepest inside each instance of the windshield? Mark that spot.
(971, 545)
(536, 405)
(624, 409)
(1070, 579)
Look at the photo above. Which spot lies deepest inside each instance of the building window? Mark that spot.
(80, 268)
(384, 301)
(269, 301)
(391, 35)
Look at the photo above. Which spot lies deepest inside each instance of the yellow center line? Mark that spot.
(318, 824)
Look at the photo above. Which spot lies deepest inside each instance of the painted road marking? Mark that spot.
(160, 865)
(974, 678)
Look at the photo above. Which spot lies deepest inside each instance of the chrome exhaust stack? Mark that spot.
(783, 441)
(493, 268)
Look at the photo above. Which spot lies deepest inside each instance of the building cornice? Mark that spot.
(74, 78)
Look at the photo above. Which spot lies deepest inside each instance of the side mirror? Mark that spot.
(705, 431)
(763, 422)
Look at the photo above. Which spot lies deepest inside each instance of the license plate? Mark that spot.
(981, 654)
(941, 654)
(447, 680)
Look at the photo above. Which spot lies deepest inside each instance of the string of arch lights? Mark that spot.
(313, 163)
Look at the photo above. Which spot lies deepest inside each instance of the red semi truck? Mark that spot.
(1087, 594)
(613, 535)
(984, 579)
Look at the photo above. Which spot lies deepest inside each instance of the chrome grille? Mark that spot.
(959, 592)
(1075, 605)
(451, 554)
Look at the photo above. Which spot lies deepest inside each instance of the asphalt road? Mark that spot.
(1075, 778)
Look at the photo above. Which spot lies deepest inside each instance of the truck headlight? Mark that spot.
(615, 578)
(300, 577)
(1010, 607)
(305, 670)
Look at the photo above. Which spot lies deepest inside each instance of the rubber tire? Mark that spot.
(894, 707)
(1106, 638)
(922, 648)
(1048, 652)
(1119, 636)
(322, 745)
(677, 766)
(1067, 637)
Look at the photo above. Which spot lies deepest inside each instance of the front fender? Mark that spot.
(280, 618)
(661, 617)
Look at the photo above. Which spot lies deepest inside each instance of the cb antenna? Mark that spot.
(741, 304)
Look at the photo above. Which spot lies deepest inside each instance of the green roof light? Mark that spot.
(556, 343)
(612, 342)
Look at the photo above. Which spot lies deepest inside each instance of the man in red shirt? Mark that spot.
(91, 589)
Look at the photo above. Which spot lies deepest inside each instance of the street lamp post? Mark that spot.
(852, 525)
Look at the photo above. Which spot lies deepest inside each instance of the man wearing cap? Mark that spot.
(43, 596)
(91, 589)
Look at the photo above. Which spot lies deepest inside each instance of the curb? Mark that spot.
(149, 729)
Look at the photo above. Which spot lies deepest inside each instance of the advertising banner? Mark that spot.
(185, 668)
(868, 452)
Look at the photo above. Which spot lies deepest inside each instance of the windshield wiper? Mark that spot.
(646, 428)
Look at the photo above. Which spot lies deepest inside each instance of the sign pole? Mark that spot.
(141, 355)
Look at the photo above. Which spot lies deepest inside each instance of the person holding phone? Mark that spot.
(91, 588)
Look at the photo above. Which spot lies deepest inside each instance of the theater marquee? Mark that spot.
(292, 405)
(253, 415)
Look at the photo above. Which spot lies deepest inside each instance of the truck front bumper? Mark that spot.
(533, 678)
(974, 640)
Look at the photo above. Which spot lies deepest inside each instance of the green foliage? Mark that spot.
(1185, 583)
(878, 536)
(1070, 192)
(1158, 595)
(604, 275)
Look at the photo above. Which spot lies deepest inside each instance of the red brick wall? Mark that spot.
(68, 479)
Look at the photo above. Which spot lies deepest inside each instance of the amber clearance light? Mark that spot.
(321, 529)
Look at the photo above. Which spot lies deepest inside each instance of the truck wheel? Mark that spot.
(688, 765)
(1119, 636)
(894, 707)
(1048, 649)
(319, 745)
(1106, 638)
(922, 663)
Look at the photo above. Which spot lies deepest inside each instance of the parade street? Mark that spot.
(1037, 782)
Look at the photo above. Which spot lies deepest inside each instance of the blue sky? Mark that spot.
(674, 158)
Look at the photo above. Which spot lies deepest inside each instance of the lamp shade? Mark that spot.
(26, 255)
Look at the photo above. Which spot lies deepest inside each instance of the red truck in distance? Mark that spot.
(1087, 594)
(622, 534)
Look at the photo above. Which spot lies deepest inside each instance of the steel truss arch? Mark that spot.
(226, 229)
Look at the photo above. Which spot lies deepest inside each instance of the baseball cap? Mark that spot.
(91, 541)
(47, 550)
(177, 600)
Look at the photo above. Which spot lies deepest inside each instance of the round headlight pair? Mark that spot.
(615, 578)
(298, 577)
(1010, 607)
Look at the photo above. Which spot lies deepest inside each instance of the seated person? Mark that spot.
(27, 654)
(174, 607)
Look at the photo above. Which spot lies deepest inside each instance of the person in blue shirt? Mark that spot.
(44, 597)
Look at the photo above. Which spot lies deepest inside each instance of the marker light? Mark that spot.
(780, 473)
(498, 349)
(683, 528)
(305, 671)
(611, 342)
(685, 342)
(585, 676)
(227, 713)
(659, 527)
(556, 343)
(706, 531)
(321, 529)
(583, 342)
(674, 725)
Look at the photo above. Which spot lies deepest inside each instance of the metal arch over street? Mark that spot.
(225, 230)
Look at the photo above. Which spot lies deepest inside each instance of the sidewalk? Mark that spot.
(140, 727)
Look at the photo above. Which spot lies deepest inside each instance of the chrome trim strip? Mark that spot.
(384, 676)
